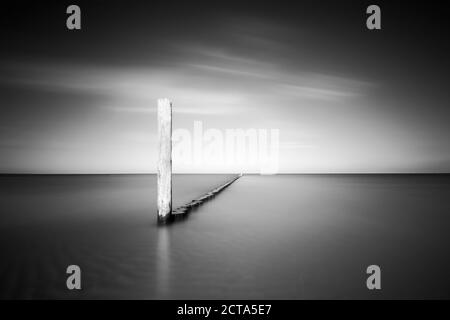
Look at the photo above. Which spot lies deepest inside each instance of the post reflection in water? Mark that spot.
(163, 263)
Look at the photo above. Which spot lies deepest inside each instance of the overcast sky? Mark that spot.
(344, 98)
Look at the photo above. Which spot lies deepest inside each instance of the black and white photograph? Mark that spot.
(224, 150)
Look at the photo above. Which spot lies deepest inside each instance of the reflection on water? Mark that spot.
(163, 263)
(282, 237)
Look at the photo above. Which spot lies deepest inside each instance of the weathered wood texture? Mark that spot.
(164, 159)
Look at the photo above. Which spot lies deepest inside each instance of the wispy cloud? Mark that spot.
(177, 110)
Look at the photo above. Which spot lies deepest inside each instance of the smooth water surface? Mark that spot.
(281, 237)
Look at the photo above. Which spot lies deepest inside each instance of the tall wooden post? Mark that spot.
(164, 159)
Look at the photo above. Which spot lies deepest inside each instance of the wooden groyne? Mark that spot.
(184, 210)
(164, 170)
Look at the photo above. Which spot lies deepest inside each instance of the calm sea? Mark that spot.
(280, 237)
